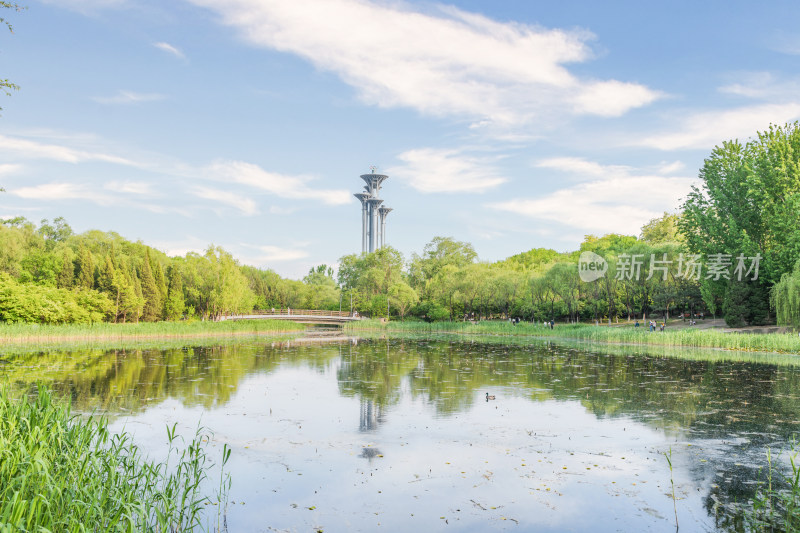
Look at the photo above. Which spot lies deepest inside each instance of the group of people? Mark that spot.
(653, 325)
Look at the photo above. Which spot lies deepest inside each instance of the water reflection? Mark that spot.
(724, 414)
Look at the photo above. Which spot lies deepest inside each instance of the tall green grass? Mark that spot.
(59, 472)
(43, 333)
(698, 338)
(776, 505)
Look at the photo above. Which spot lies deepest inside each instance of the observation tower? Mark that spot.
(373, 216)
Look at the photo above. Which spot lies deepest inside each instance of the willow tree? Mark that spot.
(786, 298)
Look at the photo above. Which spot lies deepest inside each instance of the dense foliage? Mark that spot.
(50, 275)
(64, 473)
(748, 204)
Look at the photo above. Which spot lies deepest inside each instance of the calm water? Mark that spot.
(396, 435)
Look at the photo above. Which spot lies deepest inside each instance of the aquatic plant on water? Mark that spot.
(773, 342)
(776, 504)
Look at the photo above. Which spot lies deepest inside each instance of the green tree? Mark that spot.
(67, 272)
(151, 311)
(785, 298)
(663, 229)
(174, 304)
(402, 297)
(84, 268)
(440, 252)
(227, 288)
(747, 205)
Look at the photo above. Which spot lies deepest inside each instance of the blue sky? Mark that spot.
(510, 125)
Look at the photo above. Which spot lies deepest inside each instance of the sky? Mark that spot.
(511, 124)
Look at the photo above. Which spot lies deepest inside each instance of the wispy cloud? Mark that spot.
(246, 205)
(128, 97)
(63, 191)
(7, 169)
(617, 199)
(763, 86)
(269, 254)
(439, 170)
(441, 62)
(295, 187)
(708, 129)
(617, 205)
(139, 188)
(170, 49)
(581, 167)
(28, 149)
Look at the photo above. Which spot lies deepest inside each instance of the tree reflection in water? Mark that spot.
(732, 411)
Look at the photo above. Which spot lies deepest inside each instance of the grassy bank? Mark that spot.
(43, 334)
(690, 338)
(63, 473)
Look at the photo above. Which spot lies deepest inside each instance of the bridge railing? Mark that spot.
(283, 311)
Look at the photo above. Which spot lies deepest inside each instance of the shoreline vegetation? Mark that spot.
(782, 343)
(103, 332)
(61, 472)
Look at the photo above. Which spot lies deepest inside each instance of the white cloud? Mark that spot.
(581, 167)
(170, 49)
(295, 187)
(785, 42)
(268, 254)
(27, 149)
(281, 210)
(62, 191)
(613, 98)
(129, 97)
(443, 62)
(433, 170)
(616, 205)
(130, 187)
(764, 86)
(246, 205)
(8, 169)
(671, 168)
(709, 129)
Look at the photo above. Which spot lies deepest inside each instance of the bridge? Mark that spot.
(301, 316)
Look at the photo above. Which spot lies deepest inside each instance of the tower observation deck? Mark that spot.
(373, 216)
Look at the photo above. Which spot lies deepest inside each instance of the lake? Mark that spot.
(397, 434)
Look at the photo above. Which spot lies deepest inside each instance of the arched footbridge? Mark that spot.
(301, 316)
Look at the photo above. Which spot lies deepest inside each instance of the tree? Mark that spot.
(437, 254)
(402, 297)
(785, 298)
(151, 311)
(661, 230)
(227, 288)
(67, 272)
(174, 303)
(84, 268)
(368, 275)
(747, 205)
(54, 233)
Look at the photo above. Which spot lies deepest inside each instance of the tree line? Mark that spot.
(731, 250)
(48, 274)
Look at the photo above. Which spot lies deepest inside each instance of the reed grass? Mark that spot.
(49, 333)
(59, 472)
(692, 338)
(776, 505)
